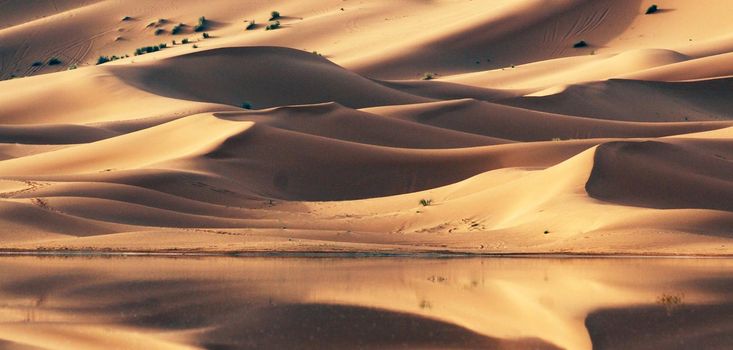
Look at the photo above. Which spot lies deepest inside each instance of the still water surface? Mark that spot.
(363, 303)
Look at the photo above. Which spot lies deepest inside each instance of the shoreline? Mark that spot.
(354, 254)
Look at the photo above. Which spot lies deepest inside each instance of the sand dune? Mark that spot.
(635, 100)
(327, 134)
(520, 124)
(698, 171)
(265, 77)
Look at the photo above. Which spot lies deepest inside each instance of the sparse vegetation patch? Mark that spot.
(651, 9)
(148, 49)
(671, 302)
(177, 29)
(273, 25)
(428, 76)
(201, 25)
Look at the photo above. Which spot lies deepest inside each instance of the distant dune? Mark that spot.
(573, 126)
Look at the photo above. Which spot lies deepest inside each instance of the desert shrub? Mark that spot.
(201, 25)
(103, 60)
(177, 29)
(273, 25)
(148, 49)
(174, 42)
(652, 9)
(184, 41)
(671, 302)
(426, 202)
(274, 15)
(72, 67)
(247, 105)
(159, 31)
(36, 64)
(580, 44)
(195, 46)
(54, 61)
(206, 36)
(428, 76)
(251, 25)
(126, 18)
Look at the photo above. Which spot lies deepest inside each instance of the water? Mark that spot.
(361, 303)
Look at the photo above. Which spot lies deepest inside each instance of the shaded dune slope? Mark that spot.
(636, 100)
(517, 34)
(263, 76)
(689, 174)
(518, 124)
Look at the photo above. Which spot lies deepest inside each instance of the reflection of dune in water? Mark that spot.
(377, 303)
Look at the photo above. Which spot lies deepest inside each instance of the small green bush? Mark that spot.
(580, 44)
(273, 25)
(426, 202)
(184, 41)
(103, 60)
(177, 28)
(206, 36)
(251, 25)
(201, 25)
(126, 18)
(651, 9)
(54, 61)
(247, 105)
(37, 64)
(428, 76)
(274, 15)
(159, 31)
(195, 46)
(148, 49)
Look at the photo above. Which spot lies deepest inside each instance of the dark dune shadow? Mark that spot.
(687, 327)
(323, 326)
(693, 174)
